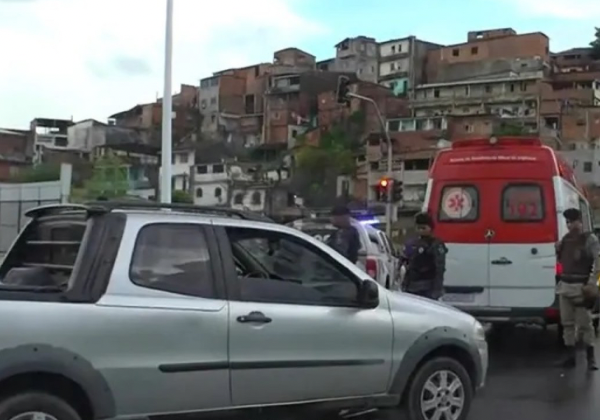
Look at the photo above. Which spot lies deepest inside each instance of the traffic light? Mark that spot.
(383, 189)
(343, 88)
(397, 190)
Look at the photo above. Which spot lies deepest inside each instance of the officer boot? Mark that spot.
(569, 360)
(591, 358)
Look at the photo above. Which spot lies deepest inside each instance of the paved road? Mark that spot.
(522, 384)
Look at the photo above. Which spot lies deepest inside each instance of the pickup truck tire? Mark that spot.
(18, 406)
(427, 387)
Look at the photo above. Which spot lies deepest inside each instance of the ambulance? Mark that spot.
(498, 205)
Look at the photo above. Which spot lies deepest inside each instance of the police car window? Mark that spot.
(281, 268)
(523, 203)
(585, 215)
(459, 203)
(375, 240)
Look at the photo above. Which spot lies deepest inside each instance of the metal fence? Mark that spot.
(16, 199)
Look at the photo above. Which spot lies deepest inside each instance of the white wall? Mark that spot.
(393, 67)
(385, 49)
(205, 194)
(248, 202)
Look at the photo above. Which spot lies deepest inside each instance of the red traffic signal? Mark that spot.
(384, 183)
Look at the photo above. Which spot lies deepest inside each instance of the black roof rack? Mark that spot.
(99, 207)
(181, 207)
(59, 208)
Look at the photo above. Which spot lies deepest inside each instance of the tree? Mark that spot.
(109, 179)
(39, 173)
(319, 165)
(595, 44)
(179, 196)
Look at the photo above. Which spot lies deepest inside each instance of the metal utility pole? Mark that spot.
(167, 111)
(390, 161)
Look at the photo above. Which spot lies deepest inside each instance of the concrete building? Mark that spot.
(48, 134)
(356, 55)
(402, 63)
(511, 99)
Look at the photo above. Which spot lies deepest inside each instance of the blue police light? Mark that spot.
(369, 222)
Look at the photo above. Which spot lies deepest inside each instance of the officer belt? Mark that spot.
(574, 278)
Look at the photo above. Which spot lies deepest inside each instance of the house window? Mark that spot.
(201, 169)
(199, 192)
(238, 199)
(213, 101)
(587, 166)
(455, 52)
(256, 198)
(393, 49)
(523, 86)
(474, 50)
(183, 158)
(436, 93)
(393, 66)
(512, 87)
(488, 88)
(218, 168)
(218, 192)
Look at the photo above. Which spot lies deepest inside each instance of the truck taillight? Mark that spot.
(371, 267)
(559, 269)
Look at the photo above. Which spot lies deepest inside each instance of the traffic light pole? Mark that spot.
(390, 160)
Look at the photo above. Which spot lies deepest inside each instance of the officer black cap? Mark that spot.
(424, 219)
(340, 210)
(572, 215)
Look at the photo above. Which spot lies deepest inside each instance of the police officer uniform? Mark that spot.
(426, 263)
(579, 254)
(345, 239)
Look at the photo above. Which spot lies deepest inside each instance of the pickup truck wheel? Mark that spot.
(36, 406)
(440, 389)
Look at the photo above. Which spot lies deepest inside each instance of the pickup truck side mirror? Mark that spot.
(368, 294)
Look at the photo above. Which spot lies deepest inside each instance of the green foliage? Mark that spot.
(335, 152)
(109, 179)
(595, 44)
(179, 196)
(39, 173)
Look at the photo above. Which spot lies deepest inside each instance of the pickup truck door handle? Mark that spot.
(502, 261)
(254, 317)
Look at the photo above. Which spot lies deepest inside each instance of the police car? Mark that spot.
(376, 256)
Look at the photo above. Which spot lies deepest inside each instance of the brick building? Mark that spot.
(147, 118)
(14, 152)
(292, 103)
(490, 45)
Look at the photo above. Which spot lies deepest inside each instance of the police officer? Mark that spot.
(579, 254)
(427, 262)
(345, 239)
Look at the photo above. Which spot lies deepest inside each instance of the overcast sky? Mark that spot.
(92, 58)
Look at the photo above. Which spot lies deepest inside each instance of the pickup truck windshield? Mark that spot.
(44, 255)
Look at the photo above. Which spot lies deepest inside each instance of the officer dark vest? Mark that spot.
(575, 259)
(422, 264)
